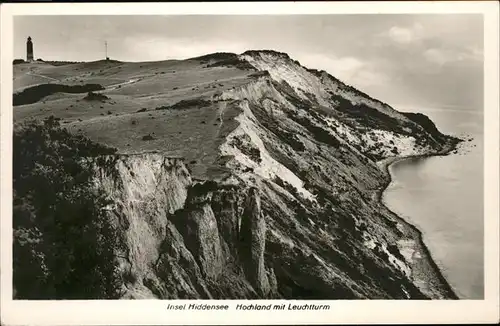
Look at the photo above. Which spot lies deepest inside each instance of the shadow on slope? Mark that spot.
(36, 93)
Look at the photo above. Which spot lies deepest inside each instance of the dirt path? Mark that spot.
(115, 86)
(107, 88)
(222, 108)
(41, 76)
(19, 89)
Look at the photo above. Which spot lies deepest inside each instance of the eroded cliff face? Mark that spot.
(296, 212)
(298, 216)
(143, 190)
(182, 238)
(253, 243)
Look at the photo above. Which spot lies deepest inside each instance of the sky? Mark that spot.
(433, 60)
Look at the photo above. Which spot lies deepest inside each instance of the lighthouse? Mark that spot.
(29, 50)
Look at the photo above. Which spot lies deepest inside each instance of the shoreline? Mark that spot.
(425, 273)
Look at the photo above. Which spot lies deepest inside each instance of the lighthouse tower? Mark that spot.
(29, 50)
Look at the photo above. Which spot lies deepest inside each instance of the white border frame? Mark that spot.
(153, 312)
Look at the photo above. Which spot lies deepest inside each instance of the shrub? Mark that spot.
(292, 140)
(425, 123)
(247, 148)
(202, 188)
(233, 63)
(91, 96)
(63, 242)
(319, 133)
(288, 187)
(260, 73)
(393, 249)
(186, 104)
(215, 56)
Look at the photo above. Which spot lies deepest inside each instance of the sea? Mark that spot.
(443, 197)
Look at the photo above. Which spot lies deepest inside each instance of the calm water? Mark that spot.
(443, 197)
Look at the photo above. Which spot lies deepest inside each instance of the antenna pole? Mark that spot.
(106, 47)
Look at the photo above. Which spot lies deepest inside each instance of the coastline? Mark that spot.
(425, 273)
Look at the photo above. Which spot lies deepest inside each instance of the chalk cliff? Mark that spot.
(295, 213)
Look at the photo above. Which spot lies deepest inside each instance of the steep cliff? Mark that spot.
(181, 238)
(292, 210)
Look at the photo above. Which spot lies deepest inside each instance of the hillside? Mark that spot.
(231, 176)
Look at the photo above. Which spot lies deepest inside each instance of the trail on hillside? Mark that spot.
(41, 76)
(107, 88)
(222, 108)
(115, 86)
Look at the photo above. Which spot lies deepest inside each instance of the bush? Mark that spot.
(63, 242)
(319, 133)
(292, 140)
(186, 104)
(285, 185)
(202, 188)
(427, 124)
(393, 249)
(247, 148)
(367, 115)
(91, 96)
(215, 56)
(224, 59)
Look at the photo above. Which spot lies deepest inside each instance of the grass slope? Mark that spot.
(128, 118)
